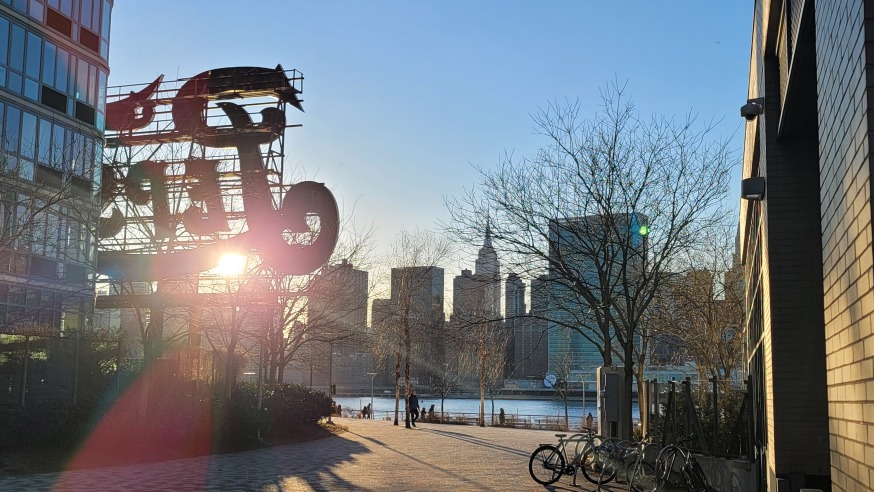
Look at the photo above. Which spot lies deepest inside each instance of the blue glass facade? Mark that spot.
(584, 246)
(53, 76)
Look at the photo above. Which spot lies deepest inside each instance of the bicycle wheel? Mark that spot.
(667, 467)
(546, 464)
(643, 477)
(597, 467)
(694, 475)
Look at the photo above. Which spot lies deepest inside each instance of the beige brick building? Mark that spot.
(807, 243)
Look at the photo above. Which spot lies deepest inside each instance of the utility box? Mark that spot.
(611, 399)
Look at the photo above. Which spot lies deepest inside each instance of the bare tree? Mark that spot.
(484, 340)
(446, 379)
(317, 309)
(565, 378)
(605, 208)
(700, 313)
(414, 313)
(492, 372)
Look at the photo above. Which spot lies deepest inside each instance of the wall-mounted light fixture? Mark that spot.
(753, 108)
(753, 188)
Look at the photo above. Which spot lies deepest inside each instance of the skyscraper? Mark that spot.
(478, 294)
(514, 301)
(530, 334)
(592, 250)
(53, 73)
(514, 309)
(488, 271)
(340, 304)
(420, 288)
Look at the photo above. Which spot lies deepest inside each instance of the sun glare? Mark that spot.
(230, 264)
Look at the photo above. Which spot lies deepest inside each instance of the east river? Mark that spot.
(539, 407)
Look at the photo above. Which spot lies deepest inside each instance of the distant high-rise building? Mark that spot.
(467, 298)
(488, 271)
(514, 309)
(540, 296)
(530, 334)
(421, 287)
(417, 296)
(478, 294)
(514, 301)
(340, 304)
(587, 245)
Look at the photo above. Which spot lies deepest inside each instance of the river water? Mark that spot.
(540, 407)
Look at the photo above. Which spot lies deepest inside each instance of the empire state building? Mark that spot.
(477, 296)
(488, 271)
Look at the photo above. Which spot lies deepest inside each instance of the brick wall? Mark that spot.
(844, 79)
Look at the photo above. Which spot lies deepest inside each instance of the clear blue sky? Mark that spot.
(403, 98)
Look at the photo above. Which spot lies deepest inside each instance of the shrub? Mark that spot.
(290, 406)
(51, 423)
(245, 416)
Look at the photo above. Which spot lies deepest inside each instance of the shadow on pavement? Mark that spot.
(479, 441)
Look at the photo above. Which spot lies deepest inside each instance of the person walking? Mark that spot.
(589, 421)
(413, 404)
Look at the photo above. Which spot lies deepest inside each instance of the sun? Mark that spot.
(230, 264)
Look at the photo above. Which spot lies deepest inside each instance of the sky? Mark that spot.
(405, 99)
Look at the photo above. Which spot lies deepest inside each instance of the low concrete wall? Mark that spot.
(728, 475)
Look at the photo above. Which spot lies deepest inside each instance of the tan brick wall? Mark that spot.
(845, 177)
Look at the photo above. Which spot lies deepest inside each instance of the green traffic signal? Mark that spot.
(644, 230)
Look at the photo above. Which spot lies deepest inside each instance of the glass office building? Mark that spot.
(581, 244)
(53, 75)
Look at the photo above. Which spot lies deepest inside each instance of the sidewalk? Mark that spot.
(373, 456)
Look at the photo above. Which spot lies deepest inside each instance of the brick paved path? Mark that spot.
(373, 456)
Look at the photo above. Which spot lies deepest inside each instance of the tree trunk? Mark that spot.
(407, 383)
(397, 385)
(627, 422)
(482, 390)
(642, 405)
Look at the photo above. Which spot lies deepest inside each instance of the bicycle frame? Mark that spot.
(555, 459)
(692, 475)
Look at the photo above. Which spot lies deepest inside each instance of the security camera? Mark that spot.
(752, 109)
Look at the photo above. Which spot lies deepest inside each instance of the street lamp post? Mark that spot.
(331, 375)
(371, 374)
(445, 388)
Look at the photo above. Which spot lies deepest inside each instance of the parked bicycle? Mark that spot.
(676, 467)
(633, 461)
(549, 462)
(641, 471)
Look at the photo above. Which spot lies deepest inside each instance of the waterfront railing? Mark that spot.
(518, 421)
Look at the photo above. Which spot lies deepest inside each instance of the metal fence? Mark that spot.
(37, 369)
(716, 413)
(511, 420)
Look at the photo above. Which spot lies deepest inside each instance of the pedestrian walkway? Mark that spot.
(373, 455)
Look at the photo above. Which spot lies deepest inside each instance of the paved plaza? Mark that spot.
(373, 455)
